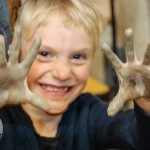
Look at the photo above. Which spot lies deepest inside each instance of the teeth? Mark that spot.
(52, 89)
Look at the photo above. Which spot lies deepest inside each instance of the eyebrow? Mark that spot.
(43, 46)
(84, 49)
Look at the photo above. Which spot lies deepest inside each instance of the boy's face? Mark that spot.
(61, 68)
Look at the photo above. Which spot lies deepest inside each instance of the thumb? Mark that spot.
(34, 99)
(37, 101)
(4, 94)
(116, 104)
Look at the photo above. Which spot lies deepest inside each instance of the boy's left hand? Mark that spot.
(133, 76)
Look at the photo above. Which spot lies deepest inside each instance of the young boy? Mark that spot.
(70, 31)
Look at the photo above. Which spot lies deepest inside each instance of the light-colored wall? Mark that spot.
(98, 65)
(135, 14)
(129, 13)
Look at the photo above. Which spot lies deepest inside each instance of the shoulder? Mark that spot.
(17, 129)
(13, 115)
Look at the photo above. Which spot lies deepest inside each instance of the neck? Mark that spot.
(44, 124)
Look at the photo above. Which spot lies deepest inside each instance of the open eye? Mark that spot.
(44, 56)
(43, 53)
(78, 56)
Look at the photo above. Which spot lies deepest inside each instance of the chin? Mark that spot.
(57, 110)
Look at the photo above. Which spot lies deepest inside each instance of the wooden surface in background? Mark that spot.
(96, 87)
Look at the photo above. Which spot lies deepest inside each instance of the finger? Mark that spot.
(116, 104)
(27, 62)
(129, 45)
(3, 61)
(38, 102)
(146, 60)
(14, 48)
(112, 57)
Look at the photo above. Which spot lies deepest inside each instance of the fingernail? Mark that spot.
(111, 112)
(128, 32)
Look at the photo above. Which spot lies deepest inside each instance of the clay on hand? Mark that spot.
(133, 75)
(13, 83)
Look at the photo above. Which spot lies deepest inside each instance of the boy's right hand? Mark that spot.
(13, 82)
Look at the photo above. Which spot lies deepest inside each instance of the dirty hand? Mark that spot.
(133, 76)
(13, 84)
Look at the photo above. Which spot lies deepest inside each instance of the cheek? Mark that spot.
(34, 73)
(31, 75)
(82, 74)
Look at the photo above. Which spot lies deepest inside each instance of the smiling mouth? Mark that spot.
(55, 89)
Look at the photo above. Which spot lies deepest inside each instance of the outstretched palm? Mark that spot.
(133, 76)
(13, 84)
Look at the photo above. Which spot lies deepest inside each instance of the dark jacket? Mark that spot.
(84, 126)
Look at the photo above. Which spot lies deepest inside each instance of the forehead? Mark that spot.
(55, 31)
(59, 22)
(56, 25)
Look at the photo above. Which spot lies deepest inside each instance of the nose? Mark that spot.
(61, 70)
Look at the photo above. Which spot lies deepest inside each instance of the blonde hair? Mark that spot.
(82, 13)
